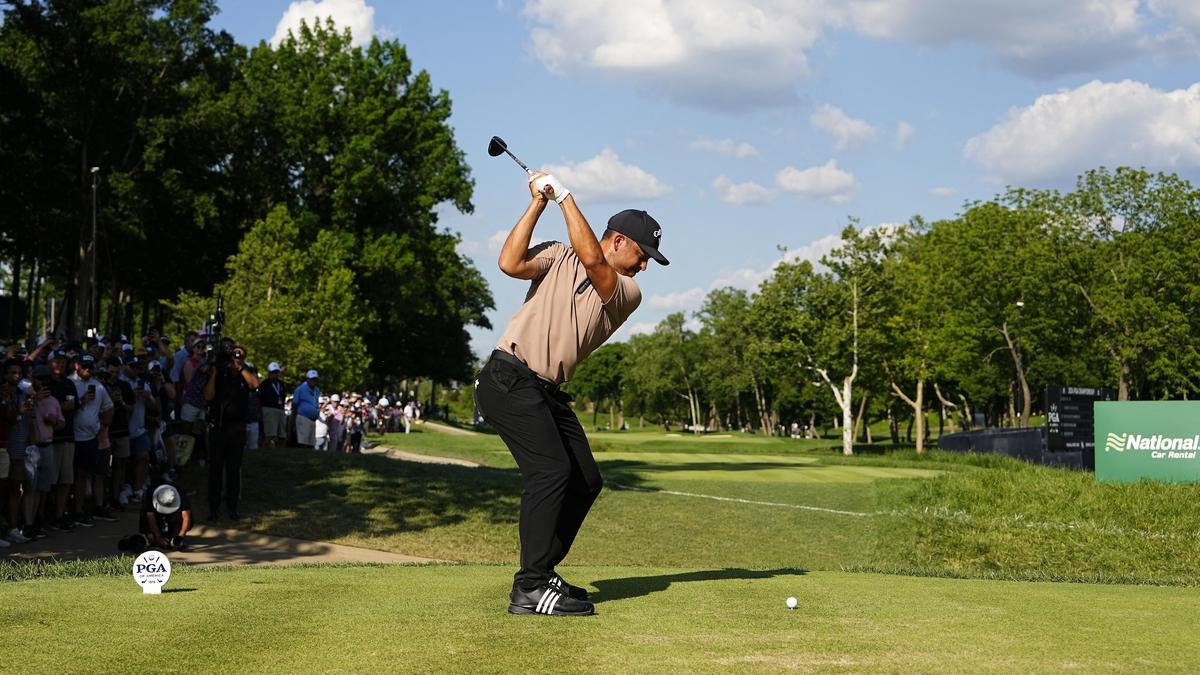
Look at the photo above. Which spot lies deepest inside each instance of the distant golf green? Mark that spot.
(752, 468)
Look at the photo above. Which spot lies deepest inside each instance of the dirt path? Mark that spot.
(406, 456)
(446, 428)
(207, 545)
(216, 545)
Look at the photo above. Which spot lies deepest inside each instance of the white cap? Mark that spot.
(166, 499)
(310, 374)
(335, 398)
(273, 367)
(383, 401)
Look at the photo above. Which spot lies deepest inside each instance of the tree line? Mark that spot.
(972, 316)
(196, 140)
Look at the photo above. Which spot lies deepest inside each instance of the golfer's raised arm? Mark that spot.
(515, 260)
(587, 247)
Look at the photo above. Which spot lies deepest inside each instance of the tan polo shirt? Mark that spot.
(557, 328)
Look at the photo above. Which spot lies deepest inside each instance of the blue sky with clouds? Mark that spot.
(744, 126)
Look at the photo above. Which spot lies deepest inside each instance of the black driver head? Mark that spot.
(497, 147)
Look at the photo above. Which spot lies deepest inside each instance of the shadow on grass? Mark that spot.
(632, 472)
(636, 587)
(323, 496)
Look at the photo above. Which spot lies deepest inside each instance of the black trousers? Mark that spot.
(226, 446)
(560, 478)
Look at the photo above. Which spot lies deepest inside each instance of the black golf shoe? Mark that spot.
(562, 586)
(550, 601)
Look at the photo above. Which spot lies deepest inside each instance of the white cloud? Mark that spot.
(467, 248)
(749, 278)
(943, 191)
(850, 133)
(741, 193)
(1182, 34)
(640, 328)
(826, 181)
(496, 241)
(740, 55)
(725, 146)
(723, 54)
(904, 134)
(1033, 37)
(1100, 123)
(683, 301)
(606, 178)
(356, 15)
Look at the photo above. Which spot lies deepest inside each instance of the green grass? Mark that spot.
(691, 550)
(452, 619)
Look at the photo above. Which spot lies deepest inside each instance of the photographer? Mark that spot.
(227, 392)
(166, 518)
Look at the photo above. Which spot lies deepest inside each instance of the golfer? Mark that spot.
(578, 297)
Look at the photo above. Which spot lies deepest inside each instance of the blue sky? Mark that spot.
(746, 126)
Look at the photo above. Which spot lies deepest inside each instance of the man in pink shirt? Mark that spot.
(48, 418)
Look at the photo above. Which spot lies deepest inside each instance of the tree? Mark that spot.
(291, 302)
(601, 377)
(127, 87)
(354, 141)
(1135, 240)
(663, 368)
(996, 269)
(726, 366)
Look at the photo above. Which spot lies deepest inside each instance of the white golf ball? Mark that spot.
(791, 603)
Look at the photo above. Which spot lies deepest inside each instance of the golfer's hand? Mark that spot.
(550, 186)
(534, 190)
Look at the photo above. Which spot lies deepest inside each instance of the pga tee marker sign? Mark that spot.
(1159, 440)
(151, 571)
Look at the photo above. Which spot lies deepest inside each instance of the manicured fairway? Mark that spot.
(666, 467)
(451, 618)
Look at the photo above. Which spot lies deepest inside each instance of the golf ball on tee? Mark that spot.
(791, 603)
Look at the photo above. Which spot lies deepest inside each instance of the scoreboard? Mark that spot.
(1070, 421)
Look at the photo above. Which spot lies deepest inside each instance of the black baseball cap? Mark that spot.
(640, 227)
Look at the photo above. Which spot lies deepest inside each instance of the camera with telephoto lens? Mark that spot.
(214, 349)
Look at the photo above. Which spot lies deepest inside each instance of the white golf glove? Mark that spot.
(558, 192)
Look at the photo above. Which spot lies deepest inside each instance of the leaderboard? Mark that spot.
(1070, 421)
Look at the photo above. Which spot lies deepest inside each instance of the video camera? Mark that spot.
(214, 351)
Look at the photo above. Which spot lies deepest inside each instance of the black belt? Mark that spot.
(501, 355)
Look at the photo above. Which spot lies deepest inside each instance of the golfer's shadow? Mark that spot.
(635, 587)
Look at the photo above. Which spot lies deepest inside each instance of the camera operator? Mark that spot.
(166, 518)
(228, 395)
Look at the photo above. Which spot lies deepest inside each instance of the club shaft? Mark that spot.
(517, 160)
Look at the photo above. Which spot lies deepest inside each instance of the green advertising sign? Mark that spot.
(1158, 440)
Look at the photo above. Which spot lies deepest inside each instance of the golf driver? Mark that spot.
(497, 146)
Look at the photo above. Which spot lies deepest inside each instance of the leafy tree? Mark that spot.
(126, 86)
(726, 367)
(663, 369)
(359, 143)
(1135, 240)
(995, 269)
(291, 303)
(601, 379)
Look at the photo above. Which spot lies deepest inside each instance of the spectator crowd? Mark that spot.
(90, 428)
